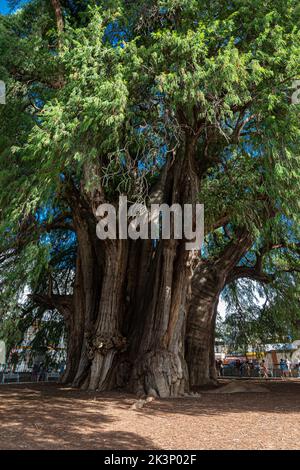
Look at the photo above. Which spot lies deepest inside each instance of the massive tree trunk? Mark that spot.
(91, 278)
(208, 281)
(107, 340)
(206, 287)
(159, 363)
(71, 307)
(136, 296)
(74, 322)
(87, 285)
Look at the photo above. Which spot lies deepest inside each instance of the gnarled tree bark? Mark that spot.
(208, 281)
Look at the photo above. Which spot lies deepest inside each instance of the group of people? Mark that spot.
(249, 368)
(39, 372)
(244, 368)
(286, 368)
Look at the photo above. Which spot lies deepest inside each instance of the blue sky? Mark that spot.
(4, 8)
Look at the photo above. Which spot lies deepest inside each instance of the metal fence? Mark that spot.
(232, 371)
(19, 377)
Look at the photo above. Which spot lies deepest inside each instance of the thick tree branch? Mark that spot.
(250, 273)
(62, 303)
(58, 16)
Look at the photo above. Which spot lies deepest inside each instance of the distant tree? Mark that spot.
(259, 315)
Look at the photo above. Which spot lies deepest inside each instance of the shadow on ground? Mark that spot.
(49, 416)
(52, 417)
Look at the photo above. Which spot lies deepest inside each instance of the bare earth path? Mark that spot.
(38, 416)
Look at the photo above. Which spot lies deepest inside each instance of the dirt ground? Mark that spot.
(38, 416)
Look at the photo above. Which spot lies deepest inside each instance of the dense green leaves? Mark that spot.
(131, 85)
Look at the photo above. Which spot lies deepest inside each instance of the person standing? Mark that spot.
(35, 372)
(247, 369)
(264, 369)
(221, 368)
(288, 368)
(42, 373)
(282, 366)
(251, 368)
